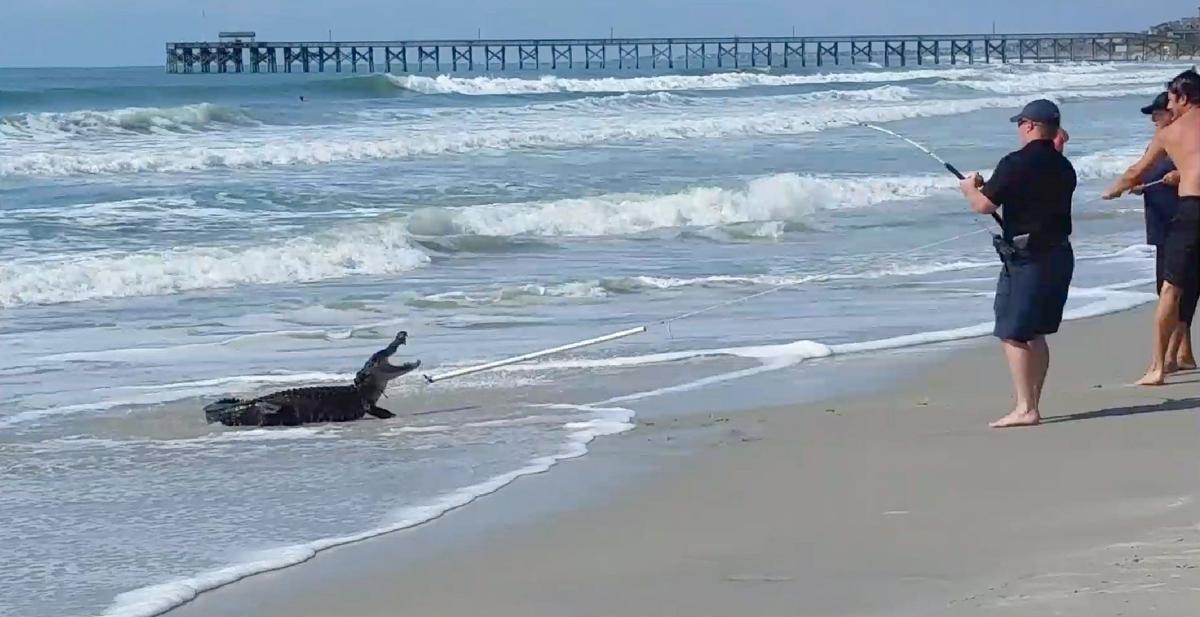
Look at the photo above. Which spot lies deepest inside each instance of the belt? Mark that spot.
(1024, 245)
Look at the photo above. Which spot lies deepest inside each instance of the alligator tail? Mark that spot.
(227, 411)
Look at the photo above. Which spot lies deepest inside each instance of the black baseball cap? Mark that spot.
(1159, 104)
(1040, 110)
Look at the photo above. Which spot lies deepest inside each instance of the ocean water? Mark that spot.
(168, 240)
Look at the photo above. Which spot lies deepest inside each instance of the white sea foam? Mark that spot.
(548, 84)
(519, 295)
(1010, 82)
(134, 396)
(1112, 298)
(232, 436)
(781, 197)
(519, 421)
(157, 599)
(185, 118)
(171, 212)
(432, 428)
(581, 132)
(895, 270)
(384, 247)
(381, 248)
(1105, 163)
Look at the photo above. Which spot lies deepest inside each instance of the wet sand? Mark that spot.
(896, 503)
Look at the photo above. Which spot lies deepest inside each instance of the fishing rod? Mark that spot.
(951, 168)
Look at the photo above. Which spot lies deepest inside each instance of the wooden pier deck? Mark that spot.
(245, 54)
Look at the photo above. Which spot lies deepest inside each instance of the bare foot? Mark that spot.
(1018, 418)
(1186, 364)
(1170, 367)
(1153, 377)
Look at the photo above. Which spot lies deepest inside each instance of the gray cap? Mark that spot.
(1040, 110)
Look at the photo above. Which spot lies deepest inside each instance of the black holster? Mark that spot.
(1004, 248)
(1007, 249)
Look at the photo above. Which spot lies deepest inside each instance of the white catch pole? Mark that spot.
(537, 354)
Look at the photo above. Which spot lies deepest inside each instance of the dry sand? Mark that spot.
(900, 503)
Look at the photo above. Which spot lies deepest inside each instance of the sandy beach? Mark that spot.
(895, 503)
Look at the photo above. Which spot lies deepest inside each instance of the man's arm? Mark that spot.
(978, 202)
(1133, 176)
(987, 197)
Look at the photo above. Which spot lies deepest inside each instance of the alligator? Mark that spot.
(318, 403)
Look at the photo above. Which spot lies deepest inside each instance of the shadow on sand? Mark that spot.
(1183, 404)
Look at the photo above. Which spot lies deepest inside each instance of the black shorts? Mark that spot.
(1187, 303)
(1032, 292)
(1181, 248)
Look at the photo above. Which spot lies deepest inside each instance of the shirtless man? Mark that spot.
(1181, 143)
(1161, 204)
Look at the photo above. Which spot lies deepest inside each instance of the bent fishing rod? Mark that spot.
(951, 168)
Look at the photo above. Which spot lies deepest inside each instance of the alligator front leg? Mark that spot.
(380, 412)
(279, 414)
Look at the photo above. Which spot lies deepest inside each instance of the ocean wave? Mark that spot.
(551, 84)
(157, 599)
(482, 244)
(381, 248)
(356, 86)
(629, 104)
(232, 436)
(283, 151)
(1105, 163)
(1026, 81)
(576, 291)
(517, 295)
(782, 197)
(185, 118)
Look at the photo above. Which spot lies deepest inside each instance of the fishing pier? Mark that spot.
(240, 52)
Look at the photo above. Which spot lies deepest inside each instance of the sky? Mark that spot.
(132, 32)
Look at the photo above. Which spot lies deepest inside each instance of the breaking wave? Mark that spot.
(1105, 163)
(550, 84)
(587, 132)
(353, 250)
(185, 118)
(523, 295)
(782, 197)
(1010, 82)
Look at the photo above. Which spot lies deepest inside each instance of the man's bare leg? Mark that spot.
(1170, 365)
(1166, 318)
(1175, 359)
(1184, 357)
(1042, 355)
(1025, 367)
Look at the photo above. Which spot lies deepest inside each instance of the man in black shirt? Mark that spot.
(1032, 188)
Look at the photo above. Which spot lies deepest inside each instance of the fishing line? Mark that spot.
(952, 169)
(1143, 186)
(667, 322)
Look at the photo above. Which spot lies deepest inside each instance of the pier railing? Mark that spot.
(408, 56)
